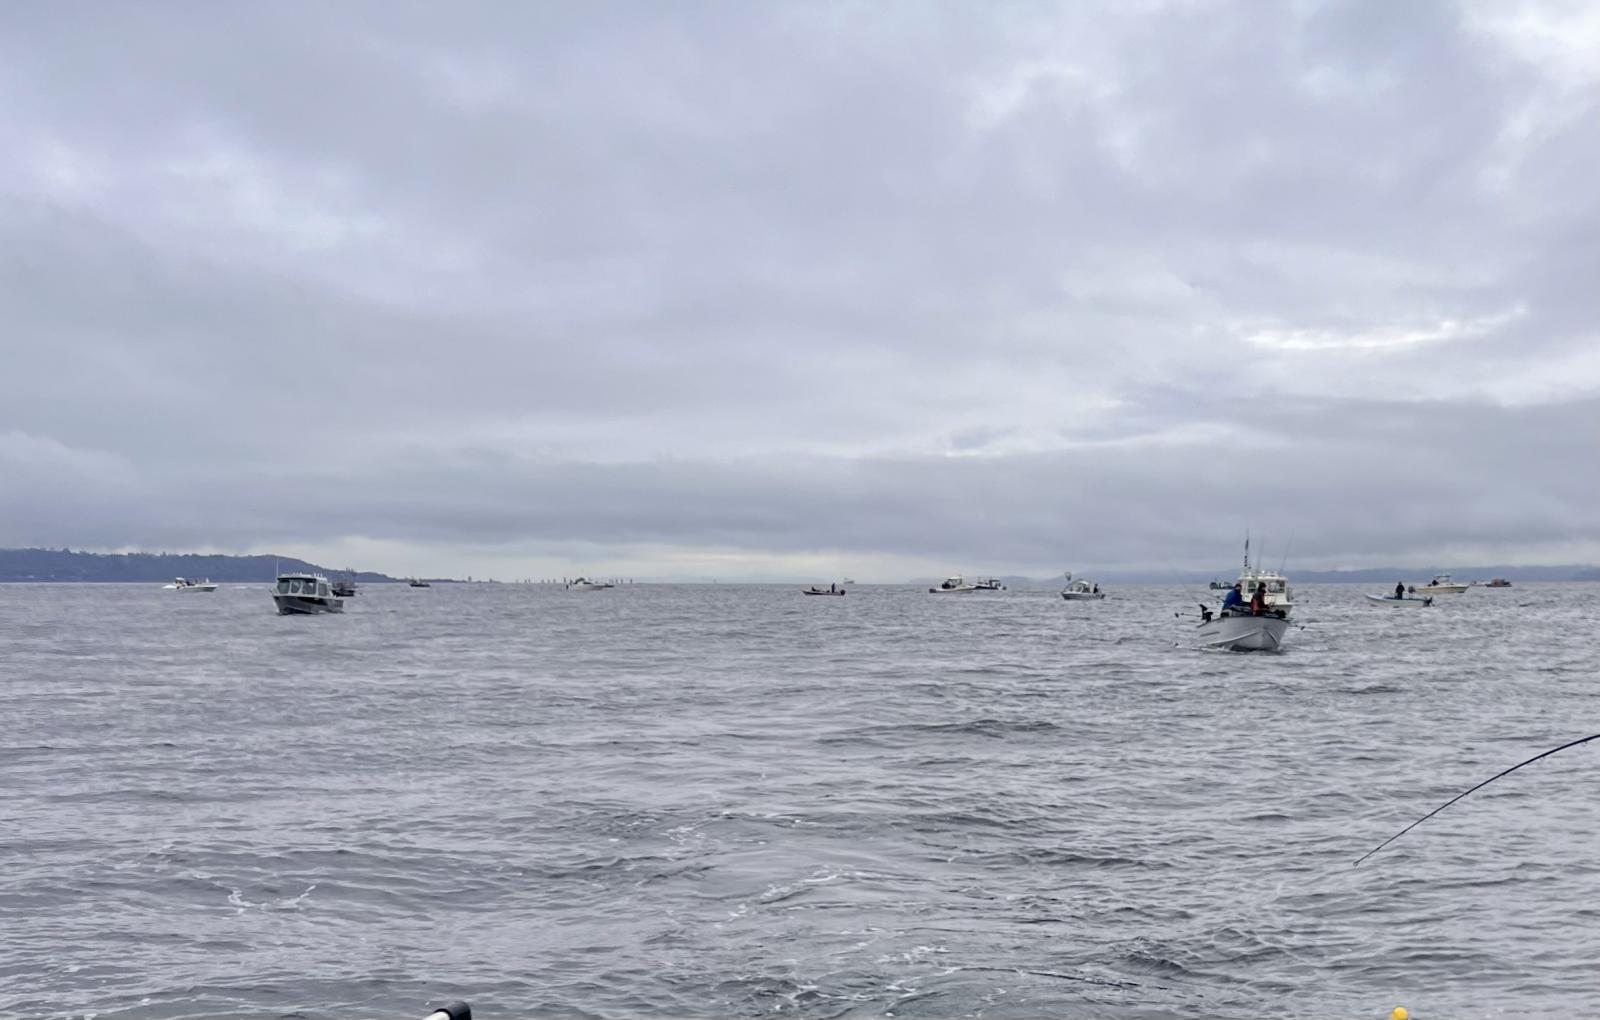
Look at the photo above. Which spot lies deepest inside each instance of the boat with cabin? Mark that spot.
(988, 584)
(1238, 629)
(953, 586)
(1081, 590)
(305, 595)
(584, 584)
(1442, 584)
(1498, 582)
(189, 584)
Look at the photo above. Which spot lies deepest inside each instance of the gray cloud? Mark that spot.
(998, 284)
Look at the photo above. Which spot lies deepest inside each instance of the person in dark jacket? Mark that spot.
(1232, 600)
(1400, 590)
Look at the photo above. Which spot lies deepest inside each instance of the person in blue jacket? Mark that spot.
(1232, 600)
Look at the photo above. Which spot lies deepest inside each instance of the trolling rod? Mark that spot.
(1486, 782)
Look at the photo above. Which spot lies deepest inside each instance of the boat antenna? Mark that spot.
(1486, 782)
(1247, 550)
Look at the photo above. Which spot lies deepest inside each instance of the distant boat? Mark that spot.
(848, 581)
(343, 589)
(988, 584)
(584, 584)
(185, 584)
(1217, 585)
(814, 590)
(1081, 590)
(305, 595)
(1498, 582)
(1442, 584)
(1402, 601)
(953, 586)
(417, 582)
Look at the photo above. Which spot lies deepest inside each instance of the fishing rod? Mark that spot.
(1486, 782)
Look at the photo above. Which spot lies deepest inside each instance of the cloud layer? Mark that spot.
(494, 289)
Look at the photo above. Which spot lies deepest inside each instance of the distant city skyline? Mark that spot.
(803, 290)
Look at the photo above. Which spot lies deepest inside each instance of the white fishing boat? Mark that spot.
(953, 586)
(1402, 601)
(988, 584)
(1442, 584)
(584, 584)
(305, 594)
(1238, 628)
(188, 584)
(1081, 590)
(1241, 632)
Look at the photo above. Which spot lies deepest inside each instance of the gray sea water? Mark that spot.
(699, 801)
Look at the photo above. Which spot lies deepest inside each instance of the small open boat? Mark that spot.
(814, 590)
(1402, 601)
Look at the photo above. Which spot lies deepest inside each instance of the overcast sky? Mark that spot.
(758, 289)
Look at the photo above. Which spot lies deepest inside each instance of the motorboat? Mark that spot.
(1236, 631)
(1442, 584)
(988, 584)
(305, 594)
(188, 584)
(343, 589)
(953, 586)
(584, 584)
(417, 582)
(814, 590)
(1498, 582)
(1236, 628)
(1217, 585)
(848, 581)
(1402, 601)
(1081, 590)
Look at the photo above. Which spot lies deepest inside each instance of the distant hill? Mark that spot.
(66, 565)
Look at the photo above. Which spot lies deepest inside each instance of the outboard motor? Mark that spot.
(451, 1011)
(1205, 613)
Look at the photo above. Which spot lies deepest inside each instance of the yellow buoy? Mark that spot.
(1399, 1013)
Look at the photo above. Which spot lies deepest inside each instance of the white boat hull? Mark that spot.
(307, 605)
(1082, 596)
(1243, 633)
(589, 587)
(1409, 602)
(1443, 589)
(964, 589)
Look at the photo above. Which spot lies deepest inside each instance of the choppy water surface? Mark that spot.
(737, 801)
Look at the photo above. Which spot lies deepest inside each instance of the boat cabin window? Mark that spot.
(322, 589)
(283, 587)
